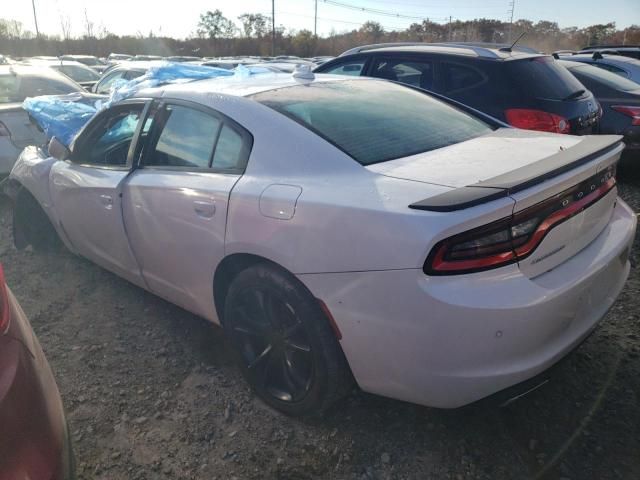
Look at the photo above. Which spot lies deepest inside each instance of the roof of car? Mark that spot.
(232, 86)
(468, 50)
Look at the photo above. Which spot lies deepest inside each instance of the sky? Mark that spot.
(142, 16)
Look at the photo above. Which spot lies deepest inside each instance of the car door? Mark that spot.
(86, 190)
(175, 203)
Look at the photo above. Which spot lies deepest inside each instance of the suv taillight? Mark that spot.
(515, 238)
(633, 112)
(4, 304)
(537, 120)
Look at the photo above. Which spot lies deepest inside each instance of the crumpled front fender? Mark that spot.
(31, 171)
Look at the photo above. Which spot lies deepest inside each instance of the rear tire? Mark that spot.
(283, 342)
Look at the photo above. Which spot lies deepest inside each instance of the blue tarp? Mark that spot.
(63, 116)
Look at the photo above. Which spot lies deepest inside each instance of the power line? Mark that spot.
(374, 11)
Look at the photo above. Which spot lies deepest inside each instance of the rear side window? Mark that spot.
(374, 121)
(186, 140)
(460, 77)
(542, 77)
(353, 68)
(417, 74)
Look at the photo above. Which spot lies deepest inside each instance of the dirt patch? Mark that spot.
(151, 393)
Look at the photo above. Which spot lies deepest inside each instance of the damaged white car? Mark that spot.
(344, 230)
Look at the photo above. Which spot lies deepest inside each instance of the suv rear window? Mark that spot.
(374, 121)
(599, 75)
(542, 77)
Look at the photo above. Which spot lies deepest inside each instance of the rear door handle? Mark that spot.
(204, 209)
(107, 201)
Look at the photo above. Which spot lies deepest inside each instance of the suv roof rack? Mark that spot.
(478, 50)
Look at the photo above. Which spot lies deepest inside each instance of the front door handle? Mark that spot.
(106, 201)
(204, 209)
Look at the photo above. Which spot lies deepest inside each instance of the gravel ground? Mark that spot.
(151, 393)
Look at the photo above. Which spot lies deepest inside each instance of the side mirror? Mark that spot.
(58, 150)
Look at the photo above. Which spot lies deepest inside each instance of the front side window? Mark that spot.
(108, 140)
(187, 138)
(374, 121)
(418, 74)
(353, 68)
(78, 74)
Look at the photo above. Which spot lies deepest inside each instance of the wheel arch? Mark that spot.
(228, 269)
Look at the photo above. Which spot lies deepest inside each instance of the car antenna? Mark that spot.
(510, 49)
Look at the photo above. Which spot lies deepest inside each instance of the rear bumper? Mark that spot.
(449, 341)
(35, 441)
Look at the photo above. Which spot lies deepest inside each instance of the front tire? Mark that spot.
(284, 344)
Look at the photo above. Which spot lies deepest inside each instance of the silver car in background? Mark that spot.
(16, 130)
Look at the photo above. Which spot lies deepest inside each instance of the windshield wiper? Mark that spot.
(575, 94)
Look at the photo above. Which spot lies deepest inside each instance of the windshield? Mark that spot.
(543, 77)
(599, 75)
(77, 73)
(15, 88)
(374, 121)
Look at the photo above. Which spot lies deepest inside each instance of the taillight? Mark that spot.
(537, 120)
(4, 304)
(633, 112)
(511, 239)
(4, 131)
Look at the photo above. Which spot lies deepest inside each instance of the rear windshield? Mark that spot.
(77, 73)
(15, 88)
(374, 121)
(599, 75)
(542, 77)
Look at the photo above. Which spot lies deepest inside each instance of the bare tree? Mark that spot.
(65, 25)
(88, 25)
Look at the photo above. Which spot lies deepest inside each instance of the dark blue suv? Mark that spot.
(520, 87)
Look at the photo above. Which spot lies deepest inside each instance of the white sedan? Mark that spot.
(344, 230)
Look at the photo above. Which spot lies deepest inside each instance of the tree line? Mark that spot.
(217, 35)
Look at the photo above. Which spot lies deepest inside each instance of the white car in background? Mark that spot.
(344, 229)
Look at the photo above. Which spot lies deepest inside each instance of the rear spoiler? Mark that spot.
(525, 177)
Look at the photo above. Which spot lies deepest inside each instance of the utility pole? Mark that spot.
(315, 22)
(273, 28)
(512, 5)
(450, 27)
(35, 17)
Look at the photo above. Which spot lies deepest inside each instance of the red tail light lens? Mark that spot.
(4, 304)
(515, 238)
(633, 112)
(4, 131)
(537, 120)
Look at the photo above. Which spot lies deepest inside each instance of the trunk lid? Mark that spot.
(563, 188)
(479, 159)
